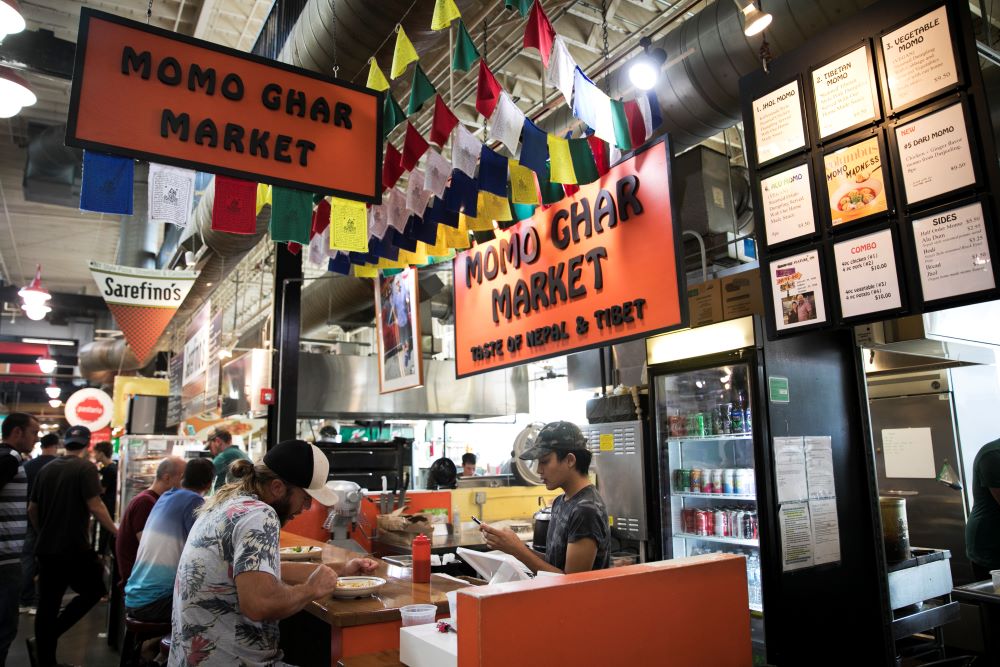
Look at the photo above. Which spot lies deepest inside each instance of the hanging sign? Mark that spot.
(919, 58)
(953, 255)
(89, 407)
(844, 93)
(160, 96)
(777, 123)
(597, 268)
(143, 301)
(934, 154)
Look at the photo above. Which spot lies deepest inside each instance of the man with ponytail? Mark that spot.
(232, 588)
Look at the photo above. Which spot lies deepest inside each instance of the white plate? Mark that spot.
(300, 553)
(359, 587)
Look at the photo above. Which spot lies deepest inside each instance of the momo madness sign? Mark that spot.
(599, 267)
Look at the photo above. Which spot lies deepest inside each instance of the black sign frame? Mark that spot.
(901, 277)
(823, 194)
(803, 118)
(872, 85)
(768, 293)
(758, 195)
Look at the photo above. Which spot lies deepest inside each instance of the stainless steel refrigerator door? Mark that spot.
(617, 450)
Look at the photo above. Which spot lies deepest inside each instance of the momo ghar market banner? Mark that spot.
(143, 301)
(156, 95)
(599, 267)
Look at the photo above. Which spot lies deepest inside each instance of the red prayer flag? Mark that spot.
(392, 167)
(294, 248)
(321, 218)
(444, 122)
(636, 125)
(413, 147)
(600, 150)
(539, 33)
(488, 90)
(235, 207)
(570, 188)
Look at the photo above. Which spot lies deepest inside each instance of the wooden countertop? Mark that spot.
(382, 607)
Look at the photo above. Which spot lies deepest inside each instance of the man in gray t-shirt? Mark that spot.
(578, 534)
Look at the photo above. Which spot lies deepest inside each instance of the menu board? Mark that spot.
(788, 205)
(919, 58)
(797, 291)
(777, 122)
(866, 274)
(843, 93)
(855, 182)
(934, 154)
(953, 256)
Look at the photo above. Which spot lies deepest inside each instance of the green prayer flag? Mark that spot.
(551, 192)
(522, 211)
(620, 120)
(392, 114)
(291, 215)
(522, 6)
(583, 161)
(421, 90)
(465, 50)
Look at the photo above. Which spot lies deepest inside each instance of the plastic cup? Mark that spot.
(996, 580)
(418, 614)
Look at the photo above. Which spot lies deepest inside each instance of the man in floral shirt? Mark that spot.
(231, 588)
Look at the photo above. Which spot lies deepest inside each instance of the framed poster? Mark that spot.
(919, 60)
(856, 185)
(953, 251)
(777, 123)
(934, 154)
(788, 204)
(867, 273)
(397, 327)
(796, 286)
(844, 93)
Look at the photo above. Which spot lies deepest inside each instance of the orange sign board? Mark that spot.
(155, 95)
(599, 267)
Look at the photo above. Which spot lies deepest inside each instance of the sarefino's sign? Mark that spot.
(599, 267)
(156, 95)
(143, 301)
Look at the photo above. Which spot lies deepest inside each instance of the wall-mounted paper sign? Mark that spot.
(866, 274)
(934, 154)
(919, 58)
(788, 205)
(777, 123)
(953, 255)
(843, 93)
(855, 182)
(797, 290)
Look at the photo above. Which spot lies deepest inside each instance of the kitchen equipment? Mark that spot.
(357, 587)
(417, 614)
(342, 518)
(617, 448)
(895, 532)
(526, 472)
(542, 518)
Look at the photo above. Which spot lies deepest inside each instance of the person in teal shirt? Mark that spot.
(224, 452)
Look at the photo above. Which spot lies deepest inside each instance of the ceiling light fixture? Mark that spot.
(33, 295)
(754, 20)
(15, 93)
(49, 341)
(11, 20)
(644, 70)
(53, 391)
(55, 402)
(46, 364)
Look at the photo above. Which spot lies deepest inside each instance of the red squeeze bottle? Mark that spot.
(421, 559)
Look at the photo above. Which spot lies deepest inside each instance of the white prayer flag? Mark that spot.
(171, 194)
(438, 171)
(416, 196)
(378, 220)
(505, 126)
(561, 68)
(397, 210)
(465, 150)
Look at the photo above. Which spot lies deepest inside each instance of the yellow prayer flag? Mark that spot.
(457, 238)
(480, 223)
(440, 247)
(348, 225)
(522, 184)
(263, 196)
(365, 271)
(493, 207)
(417, 258)
(445, 12)
(376, 80)
(562, 162)
(403, 55)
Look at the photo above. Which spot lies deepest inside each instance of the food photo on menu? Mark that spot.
(855, 183)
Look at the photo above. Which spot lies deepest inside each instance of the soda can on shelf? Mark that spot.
(728, 478)
(676, 423)
(684, 480)
(698, 424)
(737, 519)
(709, 423)
(724, 424)
(747, 421)
(717, 480)
(706, 481)
(750, 531)
(700, 522)
(721, 523)
(738, 482)
(696, 480)
(710, 518)
(749, 482)
(736, 419)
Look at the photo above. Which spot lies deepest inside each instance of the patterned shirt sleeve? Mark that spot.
(255, 542)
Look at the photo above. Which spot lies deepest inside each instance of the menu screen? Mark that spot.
(866, 274)
(777, 122)
(934, 154)
(788, 205)
(843, 93)
(953, 256)
(797, 290)
(919, 58)
(855, 182)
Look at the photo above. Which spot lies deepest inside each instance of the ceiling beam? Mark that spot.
(205, 15)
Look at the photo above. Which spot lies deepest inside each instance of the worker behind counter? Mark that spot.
(578, 535)
(468, 464)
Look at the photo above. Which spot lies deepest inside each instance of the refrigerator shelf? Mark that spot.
(721, 540)
(725, 496)
(712, 438)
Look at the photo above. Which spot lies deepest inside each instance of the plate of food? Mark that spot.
(857, 200)
(304, 552)
(357, 587)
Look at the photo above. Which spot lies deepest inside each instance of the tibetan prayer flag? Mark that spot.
(534, 147)
(291, 215)
(444, 122)
(233, 206)
(522, 211)
(318, 248)
(487, 91)
(493, 207)
(437, 172)
(599, 149)
(378, 220)
(170, 194)
(461, 195)
(416, 196)
(492, 172)
(570, 189)
(445, 12)
(107, 183)
(522, 6)
(622, 138)
(539, 33)
(348, 225)
(365, 271)
(505, 126)
(636, 125)
(321, 217)
(614, 154)
(392, 114)
(414, 146)
(392, 166)
(476, 224)
(403, 54)
(341, 264)
(376, 80)
(522, 184)
(398, 214)
(549, 191)
(561, 160)
(583, 161)
(421, 90)
(592, 106)
(465, 53)
(465, 151)
(560, 74)
(294, 248)
(263, 196)
(647, 116)
(656, 118)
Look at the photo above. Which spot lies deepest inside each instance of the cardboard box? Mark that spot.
(705, 303)
(741, 295)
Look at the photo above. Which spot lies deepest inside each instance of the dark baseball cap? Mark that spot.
(76, 437)
(556, 437)
(299, 463)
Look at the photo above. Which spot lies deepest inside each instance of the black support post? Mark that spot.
(285, 345)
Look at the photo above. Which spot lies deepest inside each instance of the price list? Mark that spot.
(934, 154)
(953, 253)
(866, 274)
(788, 205)
(919, 58)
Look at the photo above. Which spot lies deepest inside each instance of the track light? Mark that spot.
(754, 20)
(644, 70)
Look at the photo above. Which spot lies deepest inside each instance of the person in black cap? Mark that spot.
(578, 535)
(66, 493)
(232, 588)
